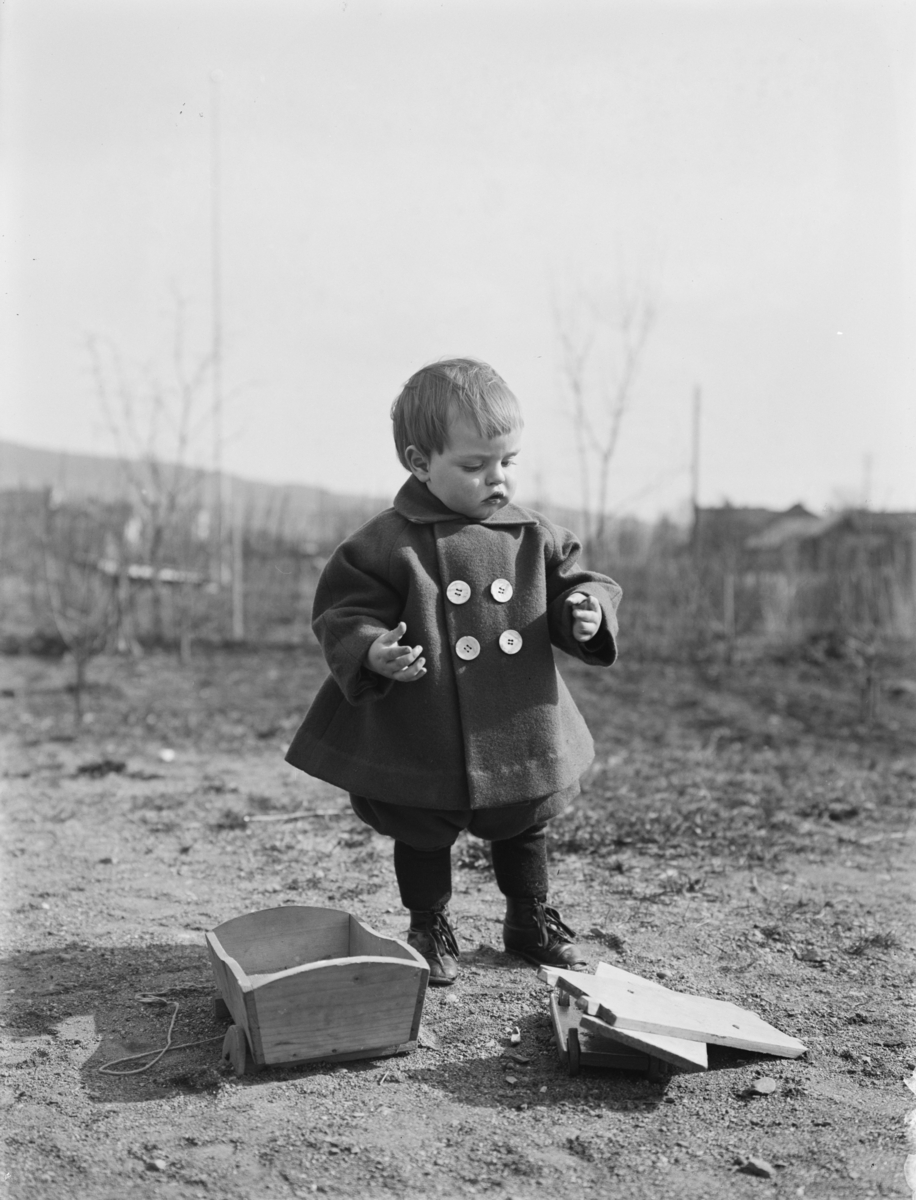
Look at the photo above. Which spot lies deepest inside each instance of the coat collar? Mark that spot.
(417, 504)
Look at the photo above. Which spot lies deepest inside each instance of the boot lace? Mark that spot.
(443, 935)
(551, 927)
(434, 929)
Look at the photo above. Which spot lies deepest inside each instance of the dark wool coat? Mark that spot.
(497, 729)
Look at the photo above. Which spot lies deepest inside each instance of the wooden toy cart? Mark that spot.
(305, 984)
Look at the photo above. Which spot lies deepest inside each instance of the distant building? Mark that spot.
(854, 570)
(723, 533)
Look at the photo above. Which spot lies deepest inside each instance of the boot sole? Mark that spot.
(539, 962)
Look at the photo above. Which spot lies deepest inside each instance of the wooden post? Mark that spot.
(728, 611)
(216, 331)
(695, 471)
(238, 578)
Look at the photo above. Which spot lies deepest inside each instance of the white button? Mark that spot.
(467, 648)
(510, 641)
(458, 592)
(501, 590)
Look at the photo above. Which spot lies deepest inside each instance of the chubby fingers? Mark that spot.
(404, 664)
(581, 602)
(584, 606)
(586, 615)
(393, 636)
(413, 671)
(385, 652)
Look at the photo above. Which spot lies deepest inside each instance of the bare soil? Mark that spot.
(743, 834)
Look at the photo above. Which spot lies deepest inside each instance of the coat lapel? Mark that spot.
(416, 503)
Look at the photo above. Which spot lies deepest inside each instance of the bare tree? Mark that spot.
(81, 598)
(602, 349)
(158, 420)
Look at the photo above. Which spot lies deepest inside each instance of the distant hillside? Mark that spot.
(295, 508)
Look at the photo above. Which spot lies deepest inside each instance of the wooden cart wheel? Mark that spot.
(235, 1048)
(572, 1051)
(221, 1009)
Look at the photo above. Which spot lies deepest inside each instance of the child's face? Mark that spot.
(474, 475)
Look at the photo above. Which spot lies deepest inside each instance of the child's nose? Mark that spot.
(497, 474)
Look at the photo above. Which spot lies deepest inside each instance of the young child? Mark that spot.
(469, 726)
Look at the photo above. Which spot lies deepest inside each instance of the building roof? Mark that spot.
(799, 528)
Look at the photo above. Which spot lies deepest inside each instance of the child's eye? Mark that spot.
(472, 469)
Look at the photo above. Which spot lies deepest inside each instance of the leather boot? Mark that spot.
(536, 933)
(431, 935)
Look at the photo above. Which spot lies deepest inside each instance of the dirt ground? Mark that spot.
(742, 835)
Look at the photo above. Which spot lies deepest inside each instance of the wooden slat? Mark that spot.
(618, 975)
(688, 1056)
(593, 1050)
(338, 1007)
(235, 988)
(636, 1004)
(363, 940)
(276, 939)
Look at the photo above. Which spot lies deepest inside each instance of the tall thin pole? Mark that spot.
(867, 465)
(216, 321)
(695, 468)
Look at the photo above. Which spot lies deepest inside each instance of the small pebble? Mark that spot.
(764, 1086)
(757, 1166)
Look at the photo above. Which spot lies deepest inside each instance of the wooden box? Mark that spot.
(305, 984)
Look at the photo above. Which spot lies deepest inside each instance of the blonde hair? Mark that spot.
(455, 387)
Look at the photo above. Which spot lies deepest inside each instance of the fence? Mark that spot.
(70, 572)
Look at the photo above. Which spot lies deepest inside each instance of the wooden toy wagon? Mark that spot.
(308, 984)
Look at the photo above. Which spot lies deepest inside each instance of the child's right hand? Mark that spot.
(400, 663)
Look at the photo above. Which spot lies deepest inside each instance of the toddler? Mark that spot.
(444, 709)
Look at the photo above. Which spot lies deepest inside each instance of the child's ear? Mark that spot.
(418, 463)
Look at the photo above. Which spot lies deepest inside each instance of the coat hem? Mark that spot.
(313, 758)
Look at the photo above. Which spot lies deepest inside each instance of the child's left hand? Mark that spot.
(586, 616)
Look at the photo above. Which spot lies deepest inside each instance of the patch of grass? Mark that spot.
(874, 941)
(230, 819)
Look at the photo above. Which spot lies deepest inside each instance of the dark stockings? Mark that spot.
(519, 863)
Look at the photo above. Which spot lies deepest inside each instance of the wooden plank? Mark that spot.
(362, 940)
(275, 939)
(618, 975)
(331, 1008)
(641, 1005)
(605, 970)
(595, 1050)
(365, 941)
(685, 1055)
(235, 988)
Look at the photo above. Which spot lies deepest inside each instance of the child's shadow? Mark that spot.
(52, 992)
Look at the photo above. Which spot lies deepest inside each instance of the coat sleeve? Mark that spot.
(564, 577)
(354, 603)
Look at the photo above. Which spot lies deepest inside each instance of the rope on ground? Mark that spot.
(148, 998)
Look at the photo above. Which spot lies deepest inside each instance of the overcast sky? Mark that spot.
(402, 180)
